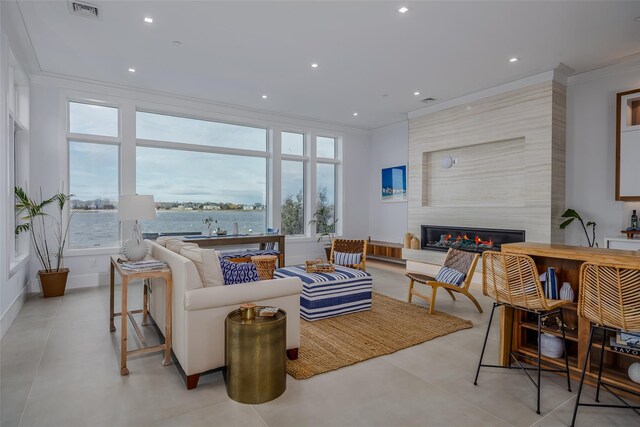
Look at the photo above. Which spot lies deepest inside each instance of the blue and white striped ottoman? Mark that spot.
(330, 294)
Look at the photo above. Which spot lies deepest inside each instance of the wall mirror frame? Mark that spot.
(628, 145)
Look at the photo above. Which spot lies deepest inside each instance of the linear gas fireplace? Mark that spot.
(441, 238)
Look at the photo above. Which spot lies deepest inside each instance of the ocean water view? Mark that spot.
(101, 228)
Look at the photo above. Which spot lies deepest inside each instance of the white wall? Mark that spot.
(389, 147)
(49, 151)
(14, 275)
(590, 183)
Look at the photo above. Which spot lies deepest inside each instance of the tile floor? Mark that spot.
(59, 367)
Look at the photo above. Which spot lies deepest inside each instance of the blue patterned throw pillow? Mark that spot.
(344, 258)
(450, 276)
(238, 272)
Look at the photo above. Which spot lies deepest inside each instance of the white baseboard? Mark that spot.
(12, 312)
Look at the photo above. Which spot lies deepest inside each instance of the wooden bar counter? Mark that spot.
(517, 330)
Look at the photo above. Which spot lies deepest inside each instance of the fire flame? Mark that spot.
(477, 240)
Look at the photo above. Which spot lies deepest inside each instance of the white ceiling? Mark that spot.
(233, 52)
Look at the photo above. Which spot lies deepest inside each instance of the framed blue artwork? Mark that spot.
(394, 184)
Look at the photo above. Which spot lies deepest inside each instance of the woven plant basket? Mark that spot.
(265, 264)
(319, 266)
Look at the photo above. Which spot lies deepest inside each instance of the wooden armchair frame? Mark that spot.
(351, 247)
(455, 259)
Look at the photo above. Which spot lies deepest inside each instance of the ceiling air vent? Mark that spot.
(427, 100)
(85, 10)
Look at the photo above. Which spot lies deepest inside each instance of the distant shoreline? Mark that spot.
(169, 210)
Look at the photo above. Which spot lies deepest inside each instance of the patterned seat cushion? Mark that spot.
(238, 272)
(450, 275)
(346, 258)
(271, 245)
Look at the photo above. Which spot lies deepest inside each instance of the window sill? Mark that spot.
(305, 239)
(92, 251)
(17, 263)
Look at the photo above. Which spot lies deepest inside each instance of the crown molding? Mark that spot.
(558, 73)
(627, 64)
(16, 31)
(160, 97)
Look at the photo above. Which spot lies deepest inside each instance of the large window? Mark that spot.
(326, 198)
(93, 181)
(293, 183)
(326, 171)
(202, 180)
(196, 169)
(326, 147)
(292, 197)
(92, 119)
(161, 127)
(94, 175)
(18, 160)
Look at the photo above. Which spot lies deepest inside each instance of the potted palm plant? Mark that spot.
(38, 223)
(325, 224)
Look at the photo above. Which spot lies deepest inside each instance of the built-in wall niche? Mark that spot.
(490, 174)
(628, 145)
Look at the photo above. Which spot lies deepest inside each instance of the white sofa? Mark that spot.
(199, 312)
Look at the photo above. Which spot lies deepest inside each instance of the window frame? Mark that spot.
(267, 154)
(147, 110)
(19, 246)
(127, 141)
(338, 189)
(91, 139)
(305, 160)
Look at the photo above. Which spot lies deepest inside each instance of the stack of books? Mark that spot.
(144, 265)
(626, 343)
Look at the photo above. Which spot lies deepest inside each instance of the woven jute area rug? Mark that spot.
(389, 326)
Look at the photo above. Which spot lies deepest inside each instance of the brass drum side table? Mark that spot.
(255, 357)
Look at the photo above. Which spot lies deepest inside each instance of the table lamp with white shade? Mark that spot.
(136, 207)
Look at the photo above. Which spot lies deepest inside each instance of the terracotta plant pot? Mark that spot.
(327, 250)
(53, 283)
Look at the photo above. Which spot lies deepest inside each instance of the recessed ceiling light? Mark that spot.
(416, 93)
(403, 9)
(355, 114)
(132, 70)
(514, 59)
(314, 65)
(148, 20)
(176, 43)
(264, 96)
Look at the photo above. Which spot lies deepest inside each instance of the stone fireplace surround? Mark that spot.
(510, 169)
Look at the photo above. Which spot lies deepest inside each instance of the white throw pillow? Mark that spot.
(176, 245)
(207, 264)
(162, 240)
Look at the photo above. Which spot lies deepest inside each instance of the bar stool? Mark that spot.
(512, 281)
(609, 298)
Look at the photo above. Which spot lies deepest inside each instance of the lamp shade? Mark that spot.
(136, 207)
